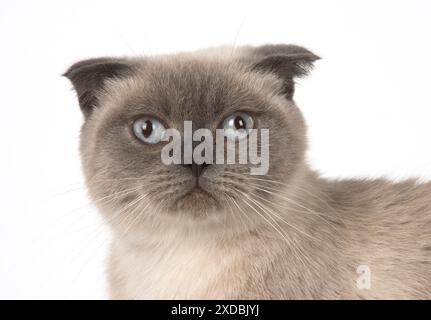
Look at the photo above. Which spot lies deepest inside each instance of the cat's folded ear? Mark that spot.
(88, 77)
(285, 61)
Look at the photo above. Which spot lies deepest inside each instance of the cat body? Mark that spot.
(376, 224)
(213, 231)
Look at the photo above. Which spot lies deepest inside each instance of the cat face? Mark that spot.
(129, 103)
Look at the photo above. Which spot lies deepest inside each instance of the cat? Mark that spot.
(214, 231)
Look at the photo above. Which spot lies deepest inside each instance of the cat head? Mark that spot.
(128, 103)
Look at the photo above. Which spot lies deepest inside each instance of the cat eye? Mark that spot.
(149, 130)
(238, 125)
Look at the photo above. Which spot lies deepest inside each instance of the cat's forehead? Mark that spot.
(190, 89)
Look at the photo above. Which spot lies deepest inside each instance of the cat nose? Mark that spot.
(196, 169)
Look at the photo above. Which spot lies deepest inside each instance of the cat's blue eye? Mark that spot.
(149, 130)
(238, 125)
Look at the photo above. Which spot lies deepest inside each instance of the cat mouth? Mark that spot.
(197, 199)
(197, 191)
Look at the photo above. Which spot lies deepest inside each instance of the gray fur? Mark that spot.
(287, 235)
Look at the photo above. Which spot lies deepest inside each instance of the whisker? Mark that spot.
(105, 200)
(242, 213)
(291, 242)
(270, 190)
(323, 218)
(115, 216)
(288, 185)
(265, 208)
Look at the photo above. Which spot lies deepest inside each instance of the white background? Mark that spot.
(367, 105)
